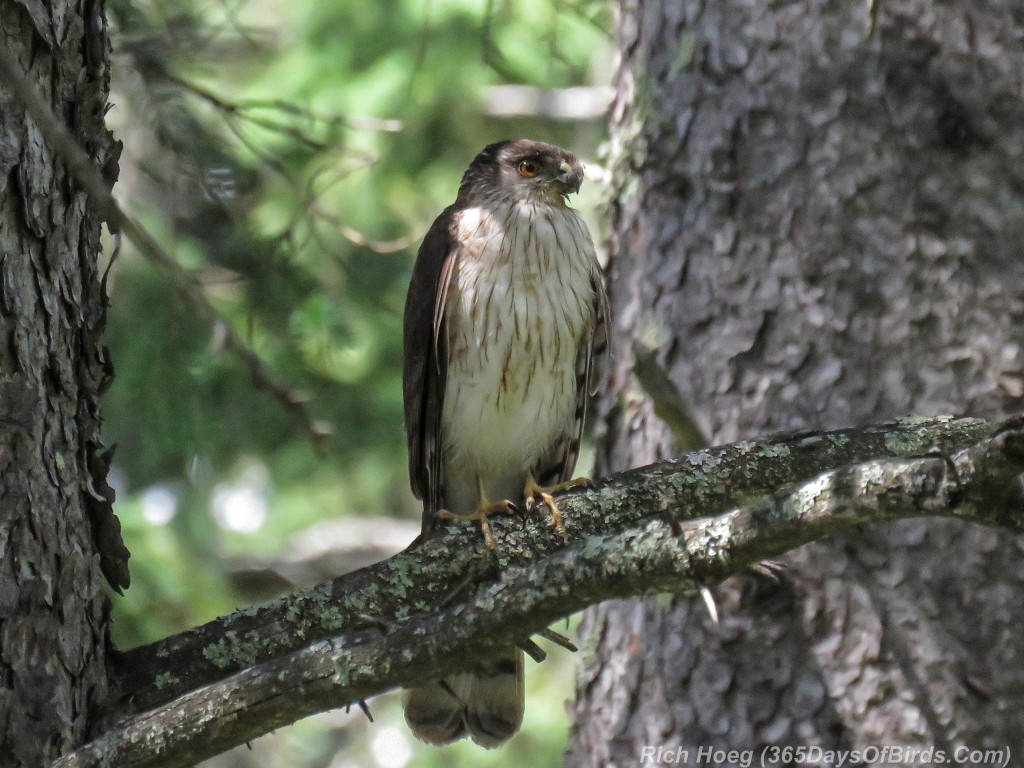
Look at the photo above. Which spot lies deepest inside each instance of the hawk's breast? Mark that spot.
(520, 311)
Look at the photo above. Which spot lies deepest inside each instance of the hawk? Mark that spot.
(505, 316)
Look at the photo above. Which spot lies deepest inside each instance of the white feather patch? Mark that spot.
(520, 304)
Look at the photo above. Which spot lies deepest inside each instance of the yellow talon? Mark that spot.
(532, 492)
(484, 509)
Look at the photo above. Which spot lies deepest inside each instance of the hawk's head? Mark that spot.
(522, 170)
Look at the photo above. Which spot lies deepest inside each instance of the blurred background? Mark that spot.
(291, 155)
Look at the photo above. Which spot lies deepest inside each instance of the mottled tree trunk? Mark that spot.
(818, 222)
(53, 613)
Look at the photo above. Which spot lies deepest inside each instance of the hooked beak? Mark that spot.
(571, 176)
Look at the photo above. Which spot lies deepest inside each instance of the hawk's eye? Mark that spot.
(528, 168)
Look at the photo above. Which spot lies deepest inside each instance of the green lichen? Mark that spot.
(839, 441)
(330, 617)
(218, 654)
(401, 577)
(775, 451)
(233, 651)
(699, 486)
(342, 667)
(706, 461)
(357, 604)
(908, 444)
(165, 679)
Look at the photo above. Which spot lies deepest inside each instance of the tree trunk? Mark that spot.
(53, 613)
(817, 224)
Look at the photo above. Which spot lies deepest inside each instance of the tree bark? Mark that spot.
(816, 223)
(55, 504)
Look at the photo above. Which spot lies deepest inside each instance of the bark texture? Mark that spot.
(817, 223)
(53, 614)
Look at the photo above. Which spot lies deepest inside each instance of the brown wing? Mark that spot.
(600, 342)
(425, 361)
(589, 368)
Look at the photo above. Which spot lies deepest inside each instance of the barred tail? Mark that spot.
(486, 704)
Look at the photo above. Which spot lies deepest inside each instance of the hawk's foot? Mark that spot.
(485, 508)
(532, 492)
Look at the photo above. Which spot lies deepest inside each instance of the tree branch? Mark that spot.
(668, 527)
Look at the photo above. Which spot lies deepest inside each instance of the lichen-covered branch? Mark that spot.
(668, 527)
(420, 579)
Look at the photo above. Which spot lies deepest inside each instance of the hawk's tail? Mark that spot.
(486, 704)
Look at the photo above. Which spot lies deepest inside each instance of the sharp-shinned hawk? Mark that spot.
(505, 315)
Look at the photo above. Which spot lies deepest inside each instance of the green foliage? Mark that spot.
(290, 156)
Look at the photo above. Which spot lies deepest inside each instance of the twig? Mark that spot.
(558, 639)
(243, 110)
(533, 650)
(91, 181)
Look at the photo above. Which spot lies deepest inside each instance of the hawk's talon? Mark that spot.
(486, 508)
(532, 492)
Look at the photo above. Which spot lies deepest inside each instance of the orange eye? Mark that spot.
(528, 169)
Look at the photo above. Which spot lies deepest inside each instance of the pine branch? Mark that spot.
(672, 526)
(90, 179)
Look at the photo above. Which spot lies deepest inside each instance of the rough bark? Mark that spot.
(817, 223)
(664, 528)
(53, 493)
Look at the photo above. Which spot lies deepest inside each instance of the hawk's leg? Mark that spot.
(483, 509)
(532, 492)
